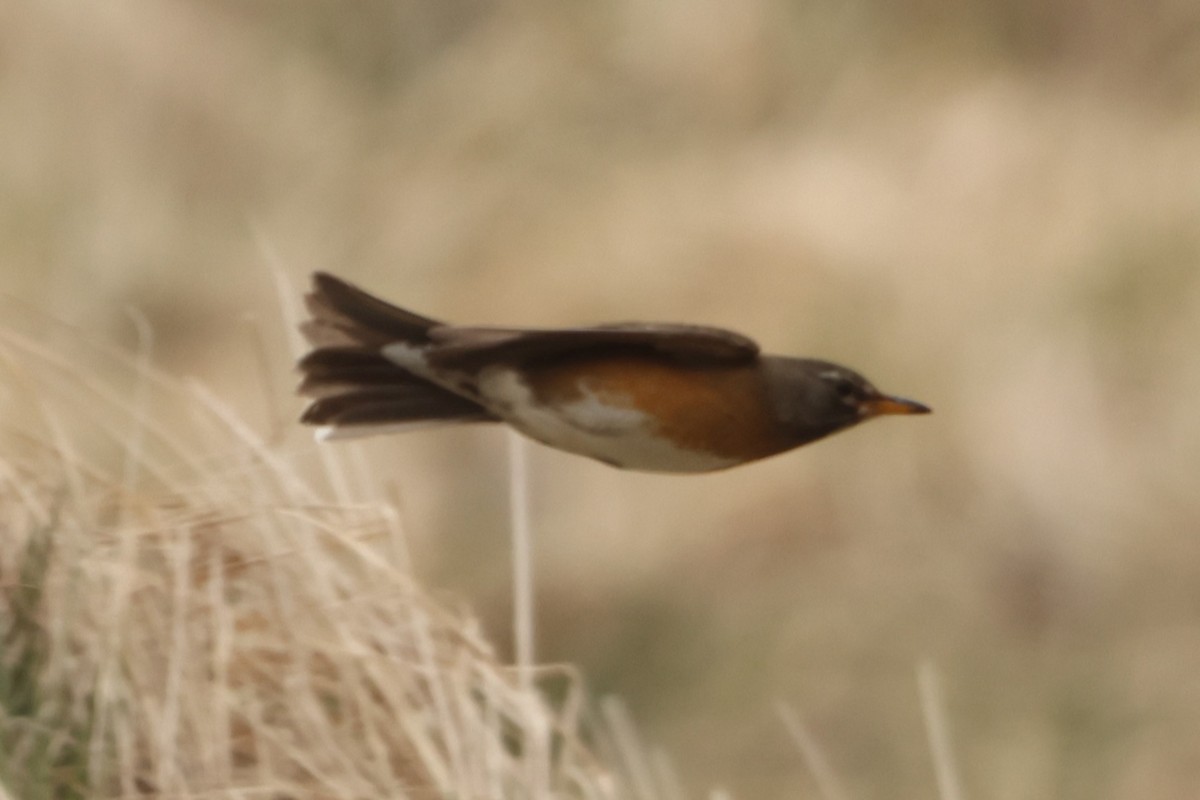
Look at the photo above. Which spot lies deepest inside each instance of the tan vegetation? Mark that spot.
(175, 626)
(991, 207)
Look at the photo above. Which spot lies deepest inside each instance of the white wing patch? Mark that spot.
(606, 416)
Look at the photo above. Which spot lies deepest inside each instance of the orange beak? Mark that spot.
(877, 406)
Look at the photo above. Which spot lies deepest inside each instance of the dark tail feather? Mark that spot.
(344, 315)
(329, 371)
(367, 411)
(357, 391)
(360, 393)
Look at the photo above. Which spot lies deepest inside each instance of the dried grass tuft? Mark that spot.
(186, 614)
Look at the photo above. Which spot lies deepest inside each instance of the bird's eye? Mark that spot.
(845, 389)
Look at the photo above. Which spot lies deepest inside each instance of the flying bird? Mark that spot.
(638, 396)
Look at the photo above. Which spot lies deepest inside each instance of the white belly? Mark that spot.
(604, 427)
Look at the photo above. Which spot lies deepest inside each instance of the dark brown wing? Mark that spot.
(466, 348)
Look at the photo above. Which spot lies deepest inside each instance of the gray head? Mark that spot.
(816, 398)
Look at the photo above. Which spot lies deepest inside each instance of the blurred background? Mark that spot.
(993, 207)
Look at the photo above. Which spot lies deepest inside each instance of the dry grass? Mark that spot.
(187, 616)
(991, 206)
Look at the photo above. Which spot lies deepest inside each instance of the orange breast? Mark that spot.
(720, 410)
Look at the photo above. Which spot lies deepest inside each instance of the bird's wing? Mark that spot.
(465, 348)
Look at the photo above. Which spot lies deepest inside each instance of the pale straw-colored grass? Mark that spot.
(188, 614)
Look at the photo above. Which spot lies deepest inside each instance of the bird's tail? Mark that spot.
(355, 390)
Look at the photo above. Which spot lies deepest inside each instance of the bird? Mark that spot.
(650, 397)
